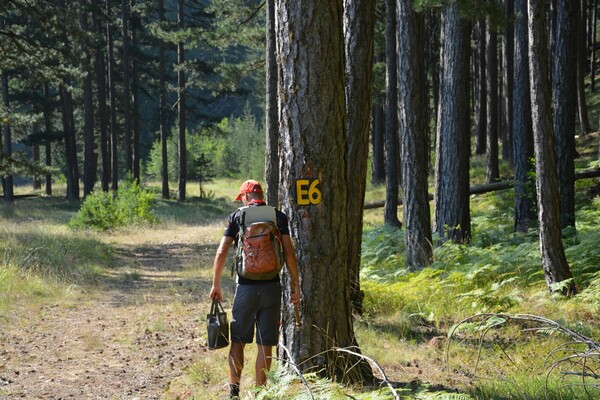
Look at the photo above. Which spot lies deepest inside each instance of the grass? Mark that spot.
(407, 314)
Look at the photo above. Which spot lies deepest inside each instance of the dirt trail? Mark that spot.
(126, 338)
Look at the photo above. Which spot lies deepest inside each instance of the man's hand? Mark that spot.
(216, 293)
(295, 297)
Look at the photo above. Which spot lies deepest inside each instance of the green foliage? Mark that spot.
(106, 210)
(233, 148)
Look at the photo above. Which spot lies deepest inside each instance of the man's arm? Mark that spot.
(292, 266)
(219, 266)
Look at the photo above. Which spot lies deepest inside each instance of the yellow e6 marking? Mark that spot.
(308, 192)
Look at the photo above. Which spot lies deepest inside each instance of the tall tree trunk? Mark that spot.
(412, 85)
(35, 155)
(101, 85)
(71, 167)
(593, 47)
(112, 91)
(392, 165)
(378, 144)
(584, 120)
(135, 105)
(507, 81)
(359, 30)
(7, 181)
(451, 197)
(126, 65)
(491, 150)
(564, 96)
(48, 128)
(272, 126)
(482, 79)
(554, 262)
(89, 143)
(181, 109)
(162, 107)
(313, 127)
(522, 129)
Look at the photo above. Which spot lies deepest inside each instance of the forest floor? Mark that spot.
(127, 337)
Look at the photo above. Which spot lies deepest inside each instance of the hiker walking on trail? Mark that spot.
(261, 236)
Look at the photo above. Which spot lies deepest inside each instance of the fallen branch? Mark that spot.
(574, 356)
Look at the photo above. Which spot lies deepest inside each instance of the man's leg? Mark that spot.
(263, 363)
(236, 365)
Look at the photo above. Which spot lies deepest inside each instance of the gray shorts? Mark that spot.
(257, 305)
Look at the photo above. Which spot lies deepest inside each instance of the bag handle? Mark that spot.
(214, 308)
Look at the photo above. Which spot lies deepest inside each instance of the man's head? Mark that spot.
(250, 190)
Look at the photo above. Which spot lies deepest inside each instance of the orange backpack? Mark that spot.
(259, 253)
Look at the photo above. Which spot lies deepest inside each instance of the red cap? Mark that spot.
(248, 187)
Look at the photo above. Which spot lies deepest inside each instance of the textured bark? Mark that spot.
(114, 134)
(48, 128)
(451, 197)
(584, 120)
(377, 142)
(181, 193)
(100, 77)
(272, 126)
(412, 115)
(310, 52)
(89, 142)
(481, 107)
(359, 25)
(507, 82)
(554, 262)
(522, 129)
(564, 96)
(491, 149)
(162, 108)
(71, 168)
(126, 98)
(135, 107)
(7, 181)
(392, 164)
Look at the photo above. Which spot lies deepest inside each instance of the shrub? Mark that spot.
(103, 211)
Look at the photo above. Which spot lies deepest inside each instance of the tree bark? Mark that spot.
(89, 142)
(48, 145)
(554, 262)
(181, 109)
(522, 129)
(359, 30)
(491, 150)
(135, 105)
(271, 115)
(313, 137)
(451, 198)
(481, 107)
(392, 165)
(564, 96)
(412, 115)
(71, 168)
(114, 134)
(584, 120)
(377, 143)
(7, 181)
(126, 65)
(100, 74)
(508, 82)
(162, 107)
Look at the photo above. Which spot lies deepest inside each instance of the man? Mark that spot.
(257, 303)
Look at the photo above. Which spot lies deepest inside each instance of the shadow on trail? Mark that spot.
(165, 273)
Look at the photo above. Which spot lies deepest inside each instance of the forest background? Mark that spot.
(125, 93)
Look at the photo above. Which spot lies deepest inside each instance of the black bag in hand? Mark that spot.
(217, 326)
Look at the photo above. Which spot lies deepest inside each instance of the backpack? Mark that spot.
(259, 252)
